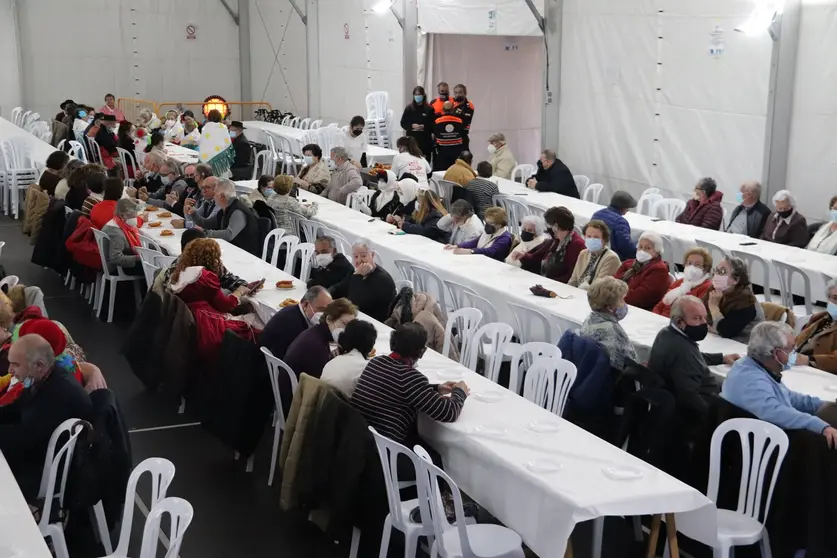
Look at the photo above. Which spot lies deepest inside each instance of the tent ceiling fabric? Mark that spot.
(473, 17)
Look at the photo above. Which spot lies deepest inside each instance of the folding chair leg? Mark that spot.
(102, 527)
(101, 297)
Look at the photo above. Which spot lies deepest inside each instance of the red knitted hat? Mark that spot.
(47, 329)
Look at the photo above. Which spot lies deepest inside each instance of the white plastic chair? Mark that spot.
(150, 244)
(399, 510)
(483, 305)
(275, 235)
(309, 229)
(759, 272)
(95, 152)
(150, 271)
(515, 210)
(668, 255)
(465, 321)
(362, 195)
(401, 283)
(534, 325)
(645, 205)
(161, 472)
(162, 261)
(714, 250)
(405, 268)
(305, 251)
(277, 367)
(305, 124)
(265, 164)
(315, 125)
(294, 123)
(9, 282)
(525, 356)
(289, 242)
(128, 162)
(803, 312)
(581, 182)
(668, 209)
(548, 383)
(16, 116)
(592, 193)
(459, 295)
(112, 279)
(180, 513)
(525, 172)
(377, 105)
(19, 172)
(77, 151)
(443, 188)
(491, 340)
(742, 526)
(426, 281)
(478, 540)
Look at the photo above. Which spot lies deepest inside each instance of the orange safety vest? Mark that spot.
(437, 105)
(465, 112)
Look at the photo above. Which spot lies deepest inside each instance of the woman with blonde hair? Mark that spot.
(195, 281)
(283, 204)
(423, 220)
(606, 297)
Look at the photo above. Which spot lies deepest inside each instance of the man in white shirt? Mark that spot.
(356, 142)
(751, 215)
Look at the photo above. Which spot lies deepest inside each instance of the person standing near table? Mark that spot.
(786, 226)
(620, 230)
(464, 109)
(750, 216)
(448, 134)
(553, 176)
(417, 121)
(438, 104)
(356, 143)
(410, 160)
(241, 168)
(370, 287)
(111, 109)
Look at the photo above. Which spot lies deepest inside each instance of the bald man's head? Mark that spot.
(208, 187)
(31, 356)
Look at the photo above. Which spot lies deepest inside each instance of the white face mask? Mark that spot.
(642, 256)
(491, 149)
(323, 260)
(335, 333)
(692, 273)
(315, 319)
(132, 221)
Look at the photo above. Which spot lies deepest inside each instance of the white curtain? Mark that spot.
(11, 94)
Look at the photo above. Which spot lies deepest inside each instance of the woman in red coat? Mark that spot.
(195, 281)
(647, 275)
(696, 280)
(556, 259)
(704, 210)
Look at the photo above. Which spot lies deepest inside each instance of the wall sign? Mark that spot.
(716, 41)
(492, 21)
(191, 31)
(346, 31)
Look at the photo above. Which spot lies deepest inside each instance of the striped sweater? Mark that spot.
(390, 393)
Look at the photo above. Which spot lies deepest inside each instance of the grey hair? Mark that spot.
(739, 269)
(339, 152)
(550, 155)
(157, 157)
(498, 137)
(38, 350)
(312, 294)
(655, 239)
(830, 286)
(126, 208)
(535, 220)
(766, 337)
(227, 187)
(461, 208)
(145, 113)
(782, 195)
(678, 307)
(204, 169)
(172, 165)
(329, 239)
(362, 245)
(753, 185)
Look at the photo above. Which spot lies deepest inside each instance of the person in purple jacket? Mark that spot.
(495, 242)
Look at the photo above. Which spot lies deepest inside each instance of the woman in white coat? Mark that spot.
(532, 235)
(825, 241)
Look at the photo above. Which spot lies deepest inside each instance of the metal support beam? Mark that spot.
(552, 26)
(230, 10)
(398, 18)
(785, 34)
(409, 45)
(244, 56)
(312, 53)
(301, 15)
(535, 13)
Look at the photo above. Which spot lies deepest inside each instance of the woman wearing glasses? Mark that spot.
(733, 308)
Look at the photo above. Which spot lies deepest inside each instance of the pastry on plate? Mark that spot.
(154, 224)
(165, 214)
(166, 232)
(151, 208)
(288, 302)
(285, 284)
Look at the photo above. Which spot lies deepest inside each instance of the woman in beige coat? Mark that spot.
(597, 260)
(422, 309)
(501, 159)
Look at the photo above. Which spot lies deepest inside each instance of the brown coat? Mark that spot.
(794, 234)
(427, 313)
(461, 173)
(823, 350)
(37, 203)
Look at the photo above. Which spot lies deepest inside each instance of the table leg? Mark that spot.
(671, 533)
(568, 553)
(653, 535)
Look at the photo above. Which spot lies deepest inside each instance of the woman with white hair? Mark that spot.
(786, 225)
(148, 120)
(647, 274)
(501, 159)
(173, 127)
(825, 241)
(532, 235)
(817, 343)
(124, 237)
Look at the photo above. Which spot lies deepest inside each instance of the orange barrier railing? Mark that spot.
(239, 110)
(132, 107)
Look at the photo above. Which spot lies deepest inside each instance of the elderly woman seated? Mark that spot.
(283, 204)
(354, 345)
(825, 241)
(422, 309)
(429, 210)
(312, 349)
(556, 259)
(191, 134)
(607, 302)
(733, 308)
(696, 280)
(786, 225)
(462, 224)
(816, 345)
(315, 175)
(345, 178)
(496, 240)
(597, 260)
(532, 235)
(124, 237)
(647, 275)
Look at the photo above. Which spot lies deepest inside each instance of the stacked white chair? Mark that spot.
(276, 367)
(16, 116)
(362, 195)
(523, 172)
(19, 171)
(378, 119)
(180, 517)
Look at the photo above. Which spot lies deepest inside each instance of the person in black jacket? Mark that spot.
(750, 216)
(241, 168)
(50, 397)
(418, 119)
(106, 138)
(235, 222)
(330, 266)
(286, 324)
(553, 176)
(370, 287)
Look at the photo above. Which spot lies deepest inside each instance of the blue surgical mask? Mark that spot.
(832, 310)
(82, 114)
(739, 197)
(621, 312)
(791, 361)
(309, 159)
(232, 134)
(27, 383)
(418, 98)
(269, 192)
(593, 244)
(833, 215)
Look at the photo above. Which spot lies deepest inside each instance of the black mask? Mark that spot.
(443, 96)
(696, 333)
(526, 236)
(785, 214)
(356, 133)
(191, 183)
(490, 229)
(459, 98)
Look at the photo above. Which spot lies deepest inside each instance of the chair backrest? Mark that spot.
(276, 367)
(77, 151)
(724, 222)
(714, 250)
(309, 229)
(787, 272)
(161, 472)
(95, 152)
(127, 160)
(103, 243)
(315, 125)
(759, 271)
(343, 245)
(443, 188)
(295, 220)
(305, 251)
(390, 451)
(377, 105)
(524, 171)
(516, 210)
(294, 123)
(180, 512)
(56, 462)
(668, 208)
(150, 244)
(646, 203)
(759, 441)
(581, 182)
(147, 254)
(525, 356)
(150, 271)
(305, 124)
(668, 255)
(289, 242)
(163, 261)
(362, 195)
(491, 340)
(9, 281)
(265, 164)
(16, 115)
(273, 235)
(286, 121)
(426, 281)
(483, 305)
(533, 325)
(405, 268)
(401, 283)
(548, 382)
(592, 193)
(465, 321)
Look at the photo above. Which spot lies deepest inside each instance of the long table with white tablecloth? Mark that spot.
(19, 534)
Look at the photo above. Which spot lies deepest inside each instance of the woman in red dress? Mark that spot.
(195, 281)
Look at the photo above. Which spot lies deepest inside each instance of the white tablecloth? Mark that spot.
(19, 534)
(38, 148)
(182, 155)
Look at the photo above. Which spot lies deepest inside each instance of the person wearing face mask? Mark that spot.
(81, 120)
(816, 345)
(356, 142)
(102, 212)
(241, 167)
(385, 201)
(495, 241)
(553, 176)
(462, 223)
(314, 347)
(315, 175)
(755, 384)
(464, 109)
(172, 184)
(410, 160)
(264, 189)
(289, 322)
(500, 156)
(439, 102)
(345, 178)
(283, 204)
(481, 188)
(704, 209)
(786, 225)
(124, 237)
(750, 215)
(596, 260)
(330, 266)
(646, 275)
(191, 191)
(448, 134)
(607, 302)
(556, 259)
(613, 216)
(733, 308)
(355, 344)
(417, 121)
(676, 357)
(696, 280)
(825, 241)
(172, 128)
(370, 287)
(106, 138)
(532, 235)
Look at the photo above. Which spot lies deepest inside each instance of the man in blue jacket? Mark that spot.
(620, 230)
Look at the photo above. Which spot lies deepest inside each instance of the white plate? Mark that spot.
(543, 466)
(832, 387)
(622, 472)
(493, 430)
(544, 426)
(490, 396)
(450, 375)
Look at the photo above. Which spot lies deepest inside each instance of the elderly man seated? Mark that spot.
(816, 345)
(172, 184)
(461, 172)
(370, 287)
(786, 225)
(330, 266)
(755, 383)
(201, 211)
(750, 215)
(345, 178)
(676, 357)
(286, 324)
(235, 222)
